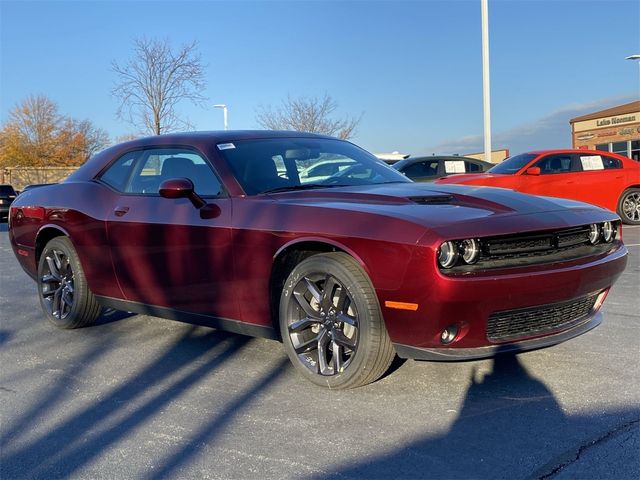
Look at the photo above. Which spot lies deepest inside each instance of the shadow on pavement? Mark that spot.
(87, 434)
(503, 414)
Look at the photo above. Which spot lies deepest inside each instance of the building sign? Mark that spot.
(618, 120)
(615, 120)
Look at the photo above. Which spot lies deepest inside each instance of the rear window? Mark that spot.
(6, 190)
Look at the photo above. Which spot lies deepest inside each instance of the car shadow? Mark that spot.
(506, 423)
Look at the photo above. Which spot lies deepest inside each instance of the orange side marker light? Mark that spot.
(401, 305)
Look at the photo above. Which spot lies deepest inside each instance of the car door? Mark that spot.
(554, 178)
(597, 181)
(166, 252)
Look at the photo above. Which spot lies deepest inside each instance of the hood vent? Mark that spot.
(432, 199)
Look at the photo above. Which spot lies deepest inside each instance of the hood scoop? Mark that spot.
(432, 199)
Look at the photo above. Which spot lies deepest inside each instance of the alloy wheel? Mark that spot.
(324, 325)
(631, 206)
(57, 284)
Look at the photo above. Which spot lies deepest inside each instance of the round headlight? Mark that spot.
(470, 250)
(607, 232)
(594, 233)
(447, 254)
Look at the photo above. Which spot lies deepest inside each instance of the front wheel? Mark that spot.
(64, 294)
(629, 206)
(331, 323)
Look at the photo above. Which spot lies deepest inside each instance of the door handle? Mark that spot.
(120, 211)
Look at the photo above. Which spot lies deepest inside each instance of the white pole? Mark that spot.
(486, 100)
(223, 106)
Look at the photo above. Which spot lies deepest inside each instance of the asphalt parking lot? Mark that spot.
(139, 397)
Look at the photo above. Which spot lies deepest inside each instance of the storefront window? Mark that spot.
(603, 146)
(619, 147)
(635, 150)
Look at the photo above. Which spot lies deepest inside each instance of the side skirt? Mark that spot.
(234, 326)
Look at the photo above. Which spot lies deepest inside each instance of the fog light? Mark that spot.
(470, 250)
(607, 232)
(594, 233)
(600, 300)
(447, 255)
(449, 334)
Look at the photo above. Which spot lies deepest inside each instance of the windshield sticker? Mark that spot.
(592, 162)
(226, 146)
(454, 166)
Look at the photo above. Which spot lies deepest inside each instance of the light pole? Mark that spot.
(224, 112)
(486, 97)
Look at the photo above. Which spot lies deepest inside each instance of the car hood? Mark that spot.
(454, 209)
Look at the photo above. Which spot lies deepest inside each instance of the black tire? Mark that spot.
(64, 294)
(331, 324)
(629, 206)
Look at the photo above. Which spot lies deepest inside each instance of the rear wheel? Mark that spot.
(331, 323)
(629, 206)
(64, 294)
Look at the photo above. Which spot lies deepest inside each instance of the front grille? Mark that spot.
(519, 250)
(526, 322)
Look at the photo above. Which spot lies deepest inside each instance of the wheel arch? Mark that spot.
(45, 234)
(288, 256)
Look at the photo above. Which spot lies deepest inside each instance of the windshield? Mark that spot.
(512, 164)
(279, 164)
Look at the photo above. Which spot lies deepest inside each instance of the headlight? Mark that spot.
(447, 254)
(594, 233)
(608, 232)
(470, 250)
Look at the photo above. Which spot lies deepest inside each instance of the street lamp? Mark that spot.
(486, 100)
(224, 111)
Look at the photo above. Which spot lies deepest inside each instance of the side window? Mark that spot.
(454, 166)
(143, 171)
(551, 164)
(598, 162)
(610, 162)
(473, 167)
(119, 173)
(421, 169)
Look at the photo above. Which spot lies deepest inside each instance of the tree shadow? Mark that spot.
(64, 449)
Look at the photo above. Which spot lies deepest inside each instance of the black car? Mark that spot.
(427, 169)
(7, 195)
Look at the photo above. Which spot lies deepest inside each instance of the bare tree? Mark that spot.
(307, 115)
(154, 80)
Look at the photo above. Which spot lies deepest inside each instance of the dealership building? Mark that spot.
(615, 129)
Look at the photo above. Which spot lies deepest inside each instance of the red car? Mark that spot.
(217, 229)
(604, 179)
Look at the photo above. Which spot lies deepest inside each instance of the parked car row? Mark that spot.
(315, 242)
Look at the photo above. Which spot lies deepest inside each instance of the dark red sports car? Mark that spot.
(216, 228)
(605, 179)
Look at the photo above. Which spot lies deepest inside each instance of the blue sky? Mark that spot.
(412, 69)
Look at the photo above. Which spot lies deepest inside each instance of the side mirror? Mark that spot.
(181, 188)
(533, 171)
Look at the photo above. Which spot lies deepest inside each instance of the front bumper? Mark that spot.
(462, 354)
(469, 301)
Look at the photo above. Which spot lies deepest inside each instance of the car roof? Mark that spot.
(410, 160)
(218, 136)
(571, 150)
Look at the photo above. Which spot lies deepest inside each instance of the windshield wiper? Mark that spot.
(302, 186)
